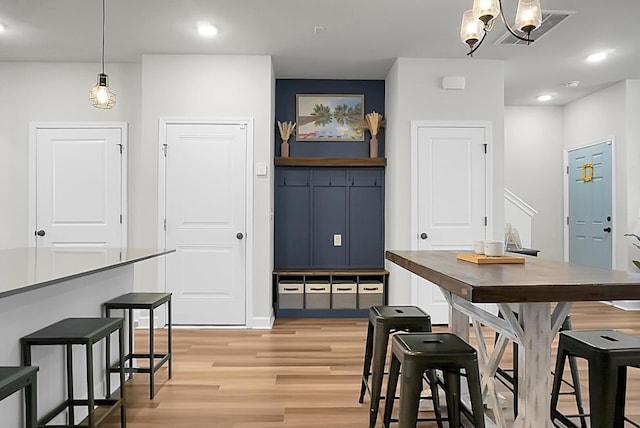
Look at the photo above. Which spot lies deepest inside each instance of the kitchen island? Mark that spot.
(40, 286)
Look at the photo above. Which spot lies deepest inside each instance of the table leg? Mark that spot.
(534, 361)
(459, 323)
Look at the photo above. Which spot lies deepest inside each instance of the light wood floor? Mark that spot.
(304, 373)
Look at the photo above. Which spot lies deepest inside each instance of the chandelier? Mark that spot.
(478, 21)
(101, 95)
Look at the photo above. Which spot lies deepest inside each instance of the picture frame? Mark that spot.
(330, 117)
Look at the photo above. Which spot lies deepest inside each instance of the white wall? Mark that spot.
(46, 92)
(180, 85)
(413, 92)
(533, 171)
(214, 87)
(633, 163)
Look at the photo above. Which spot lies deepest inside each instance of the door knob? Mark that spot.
(607, 229)
(423, 235)
(239, 235)
(40, 232)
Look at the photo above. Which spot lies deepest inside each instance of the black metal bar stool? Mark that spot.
(419, 352)
(383, 320)
(149, 302)
(12, 380)
(85, 332)
(608, 353)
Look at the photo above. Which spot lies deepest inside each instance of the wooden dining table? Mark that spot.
(534, 285)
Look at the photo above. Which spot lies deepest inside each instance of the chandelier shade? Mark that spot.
(529, 15)
(472, 29)
(486, 10)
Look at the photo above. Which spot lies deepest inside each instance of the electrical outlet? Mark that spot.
(337, 240)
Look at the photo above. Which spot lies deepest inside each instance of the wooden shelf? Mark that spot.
(362, 272)
(279, 161)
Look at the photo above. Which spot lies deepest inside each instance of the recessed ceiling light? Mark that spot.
(207, 30)
(572, 84)
(545, 97)
(2, 28)
(597, 57)
(319, 29)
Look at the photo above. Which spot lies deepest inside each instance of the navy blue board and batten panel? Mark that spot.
(286, 91)
(293, 218)
(330, 204)
(315, 203)
(366, 218)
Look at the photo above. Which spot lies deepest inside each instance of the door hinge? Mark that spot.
(120, 145)
(120, 218)
(567, 220)
(165, 225)
(165, 149)
(567, 169)
(486, 221)
(485, 148)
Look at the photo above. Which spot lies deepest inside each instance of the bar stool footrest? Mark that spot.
(162, 358)
(113, 404)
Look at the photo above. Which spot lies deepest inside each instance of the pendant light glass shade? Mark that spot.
(471, 30)
(528, 16)
(101, 95)
(486, 10)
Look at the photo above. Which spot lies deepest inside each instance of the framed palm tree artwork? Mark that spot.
(327, 117)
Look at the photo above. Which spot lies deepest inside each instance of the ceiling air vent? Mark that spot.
(549, 20)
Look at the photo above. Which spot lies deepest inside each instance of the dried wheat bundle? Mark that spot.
(286, 129)
(374, 122)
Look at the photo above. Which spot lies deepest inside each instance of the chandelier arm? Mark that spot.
(477, 45)
(506, 24)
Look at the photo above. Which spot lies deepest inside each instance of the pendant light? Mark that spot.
(101, 95)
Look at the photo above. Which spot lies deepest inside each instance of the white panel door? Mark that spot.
(451, 199)
(206, 222)
(79, 187)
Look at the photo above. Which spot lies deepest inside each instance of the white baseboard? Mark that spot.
(263, 323)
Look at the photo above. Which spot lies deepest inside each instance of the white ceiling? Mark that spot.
(361, 38)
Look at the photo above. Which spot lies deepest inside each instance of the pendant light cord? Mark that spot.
(103, 19)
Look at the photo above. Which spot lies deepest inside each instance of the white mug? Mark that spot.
(478, 247)
(494, 248)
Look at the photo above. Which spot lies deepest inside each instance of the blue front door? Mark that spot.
(590, 212)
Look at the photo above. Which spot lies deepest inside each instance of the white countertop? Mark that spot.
(25, 269)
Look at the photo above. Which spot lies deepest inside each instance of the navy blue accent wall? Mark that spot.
(286, 90)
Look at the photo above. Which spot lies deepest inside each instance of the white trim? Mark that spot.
(519, 203)
(33, 131)
(488, 203)
(163, 122)
(614, 205)
(263, 323)
(565, 203)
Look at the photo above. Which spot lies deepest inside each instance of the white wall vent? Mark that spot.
(550, 19)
